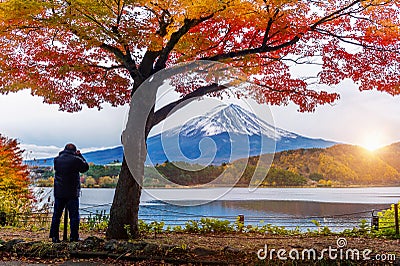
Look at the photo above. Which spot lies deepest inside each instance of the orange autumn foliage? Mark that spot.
(87, 52)
(15, 195)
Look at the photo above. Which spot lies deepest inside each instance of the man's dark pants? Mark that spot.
(73, 211)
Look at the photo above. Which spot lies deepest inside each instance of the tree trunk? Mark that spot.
(125, 208)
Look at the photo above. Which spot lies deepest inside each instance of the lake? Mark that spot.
(337, 208)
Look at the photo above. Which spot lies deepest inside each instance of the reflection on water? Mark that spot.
(302, 208)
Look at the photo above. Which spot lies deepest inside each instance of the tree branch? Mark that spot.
(333, 14)
(268, 28)
(146, 66)
(345, 39)
(175, 37)
(167, 110)
(164, 19)
(261, 49)
(222, 41)
(127, 60)
(117, 52)
(107, 67)
(264, 48)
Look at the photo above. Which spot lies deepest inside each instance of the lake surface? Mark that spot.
(337, 208)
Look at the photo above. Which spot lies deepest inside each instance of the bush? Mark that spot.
(386, 222)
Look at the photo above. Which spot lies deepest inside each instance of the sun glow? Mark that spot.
(373, 142)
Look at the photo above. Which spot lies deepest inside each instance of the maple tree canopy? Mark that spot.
(87, 52)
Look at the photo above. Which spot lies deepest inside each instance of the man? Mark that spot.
(67, 185)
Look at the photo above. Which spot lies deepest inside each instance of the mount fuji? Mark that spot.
(226, 133)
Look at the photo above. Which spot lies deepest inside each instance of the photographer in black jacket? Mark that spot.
(67, 185)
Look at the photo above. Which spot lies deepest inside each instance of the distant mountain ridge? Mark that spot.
(235, 133)
(99, 157)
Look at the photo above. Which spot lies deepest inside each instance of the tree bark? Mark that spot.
(124, 211)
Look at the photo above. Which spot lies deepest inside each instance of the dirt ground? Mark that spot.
(223, 249)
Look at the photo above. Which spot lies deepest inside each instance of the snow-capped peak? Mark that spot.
(230, 119)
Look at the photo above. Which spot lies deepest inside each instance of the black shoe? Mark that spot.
(55, 240)
(75, 239)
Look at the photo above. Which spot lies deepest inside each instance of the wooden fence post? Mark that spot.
(374, 221)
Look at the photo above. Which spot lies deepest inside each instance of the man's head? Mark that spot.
(70, 147)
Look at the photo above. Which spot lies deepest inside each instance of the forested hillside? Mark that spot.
(344, 164)
(391, 155)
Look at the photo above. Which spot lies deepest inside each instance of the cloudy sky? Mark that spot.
(364, 118)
